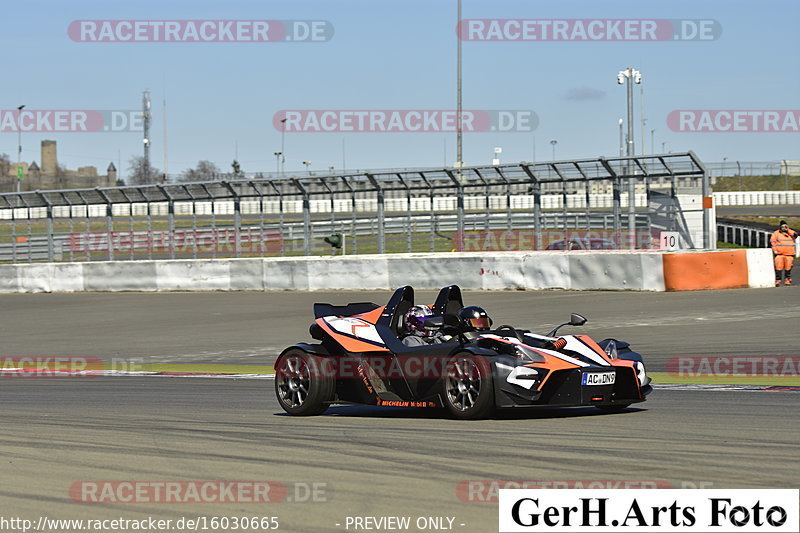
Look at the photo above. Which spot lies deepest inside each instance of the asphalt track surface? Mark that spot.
(371, 461)
(253, 327)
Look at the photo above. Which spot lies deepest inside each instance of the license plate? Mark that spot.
(598, 378)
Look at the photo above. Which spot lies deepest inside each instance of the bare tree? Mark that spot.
(205, 171)
(5, 164)
(140, 174)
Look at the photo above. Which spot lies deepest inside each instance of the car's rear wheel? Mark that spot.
(468, 387)
(302, 385)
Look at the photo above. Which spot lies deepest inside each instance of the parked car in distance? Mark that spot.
(593, 243)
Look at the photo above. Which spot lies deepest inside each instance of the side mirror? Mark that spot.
(576, 320)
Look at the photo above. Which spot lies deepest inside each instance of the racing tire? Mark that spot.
(613, 408)
(468, 387)
(302, 384)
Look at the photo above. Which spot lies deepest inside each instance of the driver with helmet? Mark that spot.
(415, 332)
(474, 318)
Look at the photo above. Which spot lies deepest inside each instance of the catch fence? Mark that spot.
(549, 205)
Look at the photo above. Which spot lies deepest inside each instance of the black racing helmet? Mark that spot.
(474, 318)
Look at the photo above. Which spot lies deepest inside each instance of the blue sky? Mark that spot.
(397, 55)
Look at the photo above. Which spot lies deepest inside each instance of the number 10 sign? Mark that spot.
(669, 240)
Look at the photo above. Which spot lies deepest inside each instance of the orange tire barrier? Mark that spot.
(705, 270)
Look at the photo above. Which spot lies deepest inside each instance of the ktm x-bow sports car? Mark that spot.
(361, 359)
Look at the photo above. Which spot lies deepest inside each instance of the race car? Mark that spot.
(360, 359)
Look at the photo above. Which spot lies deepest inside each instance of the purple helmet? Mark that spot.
(415, 318)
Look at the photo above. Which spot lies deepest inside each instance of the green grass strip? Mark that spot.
(193, 368)
(672, 379)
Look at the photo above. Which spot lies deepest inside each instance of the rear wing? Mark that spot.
(321, 310)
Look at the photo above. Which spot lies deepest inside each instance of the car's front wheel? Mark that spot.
(302, 384)
(468, 387)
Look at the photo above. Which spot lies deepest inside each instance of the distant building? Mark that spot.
(51, 176)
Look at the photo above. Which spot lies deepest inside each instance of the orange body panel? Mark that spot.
(371, 316)
(348, 343)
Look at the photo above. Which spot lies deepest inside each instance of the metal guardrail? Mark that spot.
(742, 233)
(491, 190)
(154, 244)
(34, 248)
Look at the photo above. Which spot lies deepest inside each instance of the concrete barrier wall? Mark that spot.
(760, 268)
(576, 270)
(706, 270)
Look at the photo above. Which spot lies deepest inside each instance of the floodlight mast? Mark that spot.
(459, 127)
(496, 159)
(146, 141)
(631, 76)
(19, 146)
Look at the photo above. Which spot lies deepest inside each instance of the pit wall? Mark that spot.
(576, 270)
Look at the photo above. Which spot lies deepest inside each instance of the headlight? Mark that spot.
(611, 350)
(526, 354)
(641, 373)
